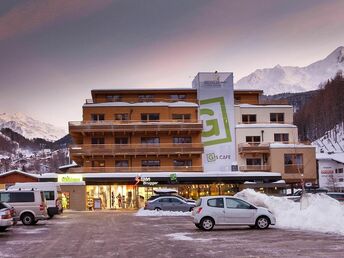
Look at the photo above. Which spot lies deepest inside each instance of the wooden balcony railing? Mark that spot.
(135, 125)
(293, 169)
(135, 169)
(247, 168)
(136, 149)
(254, 147)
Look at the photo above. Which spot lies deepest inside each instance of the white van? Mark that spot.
(52, 192)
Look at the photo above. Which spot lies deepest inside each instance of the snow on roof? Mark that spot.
(73, 164)
(20, 172)
(277, 125)
(263, 106)
(337, 156)
(141, 104)
(277, 145)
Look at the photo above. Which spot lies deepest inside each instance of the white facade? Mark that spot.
(331, 171)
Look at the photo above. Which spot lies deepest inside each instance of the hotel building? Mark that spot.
(203, 140)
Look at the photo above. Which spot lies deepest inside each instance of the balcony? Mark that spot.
(249, 168)
(254, 147)
(293, 169)
(135, 169)
(135, 126)
(135, 149)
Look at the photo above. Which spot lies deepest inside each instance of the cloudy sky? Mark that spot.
(53, 52)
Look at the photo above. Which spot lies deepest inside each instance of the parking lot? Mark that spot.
(121, 234)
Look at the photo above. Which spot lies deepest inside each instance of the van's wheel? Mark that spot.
(27, 219)
(207, 223)
(262, 222)
(50, 215)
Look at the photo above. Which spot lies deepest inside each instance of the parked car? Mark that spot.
(30, 206)
(6, 219)
(225, 210)
(4, 205)
(52, 192)
(336, 195)
(169, 192)
(169, 203)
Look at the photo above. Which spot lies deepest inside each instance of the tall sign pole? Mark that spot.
(216, 96)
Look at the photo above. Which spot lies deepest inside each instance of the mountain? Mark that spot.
(281, 79)
(30, 128)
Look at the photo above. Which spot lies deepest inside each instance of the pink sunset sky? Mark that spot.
(53, 52)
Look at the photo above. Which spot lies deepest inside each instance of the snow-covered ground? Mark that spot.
(149, 213)
(317, 212)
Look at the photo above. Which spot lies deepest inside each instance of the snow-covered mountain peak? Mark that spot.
(280, 79)
(30, 127)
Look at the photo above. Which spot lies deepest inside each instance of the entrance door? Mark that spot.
(239, 212)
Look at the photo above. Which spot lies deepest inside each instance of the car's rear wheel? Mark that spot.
(27, 219)
(157, 209)
(262, 222)
(207, 223)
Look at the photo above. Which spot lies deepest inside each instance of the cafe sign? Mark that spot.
(69, 178)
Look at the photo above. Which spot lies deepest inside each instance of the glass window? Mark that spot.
(121, 140)
(122, 116)
(121, 163)
(113, 98)
(249, 119)
(181, 116)
(150, 140)
(178, 96)
(49, 195)
(277, 117)
(236, 204)
(281, 137)
(175, 200)
(97, 117)
(150, 163)
(182, 163)
(253, 139)
(179, 139)
(146, 97)
(22, 197)
(97, 140)
(215, 202)
(5, 197)
(150, 117)
(98, 163)
(253, 162)
(165, 200)
(293, 163)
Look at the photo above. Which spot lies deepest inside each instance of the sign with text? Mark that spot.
(215, 92)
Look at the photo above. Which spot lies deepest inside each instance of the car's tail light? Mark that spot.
(41, 207)
(7, 215)
(199, 210)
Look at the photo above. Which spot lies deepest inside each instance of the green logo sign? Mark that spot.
(211, 157)
(219, 131)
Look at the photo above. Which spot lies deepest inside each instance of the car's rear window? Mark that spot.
(215, 202)
(198, 202)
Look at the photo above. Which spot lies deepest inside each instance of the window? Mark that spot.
(277, 117)
(150, 140)
(181, 116)
(215, 202)
(293, 163)
(339, 171)
(340, 179)
(249, 119)
(113, 98)
(236, 204)
(98, 163)
(253, 139)
(175, 201)
(182, 163)
(97, 117)
(178, 96)
(17, 197)
(122, 116)
(182, 139)
(121, 140)
(164, 200)
(146, 97)
(97, 140)
(150, 163)
(253, 162)
(281, 137)
(150, 117)
(49, 195)
(121, 163)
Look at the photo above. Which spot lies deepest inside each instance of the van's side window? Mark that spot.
(215, 202)
(5, 197)
(22, 197)
(49, 195)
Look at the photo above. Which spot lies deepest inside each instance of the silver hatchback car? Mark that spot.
(169, 203)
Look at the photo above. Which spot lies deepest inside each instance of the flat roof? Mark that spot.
(143, 104)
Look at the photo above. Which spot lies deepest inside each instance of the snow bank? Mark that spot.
(319, 212)
(149, 213)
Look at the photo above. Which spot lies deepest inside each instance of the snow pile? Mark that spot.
(319, 212)
(149, 213)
